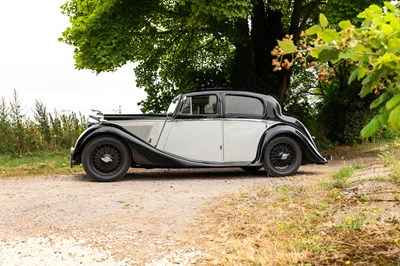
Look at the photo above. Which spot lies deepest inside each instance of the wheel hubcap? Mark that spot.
(106, 159)
(282, 156)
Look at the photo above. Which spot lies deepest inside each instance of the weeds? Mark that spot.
(21, 135)
(391, 158)
(340, 179)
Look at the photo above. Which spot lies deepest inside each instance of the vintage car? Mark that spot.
(201, 129)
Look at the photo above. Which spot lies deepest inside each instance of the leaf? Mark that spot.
(362, 72)
(323, 20)
(313, 30)
(381, 99)
(389, 6)
(344, 55)
(386, 29)
(315, 51)
(344, 24)
(372, 127)
(392, 103)
(328, 35)
(287, 46)
(359, 51)
(367, 85)
(353, 75)
(394, 118)
(394, 45)
(329, 53)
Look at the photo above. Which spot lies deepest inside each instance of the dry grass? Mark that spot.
(357, 223)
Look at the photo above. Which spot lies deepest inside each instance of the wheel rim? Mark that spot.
(282, 156)
(106, 159)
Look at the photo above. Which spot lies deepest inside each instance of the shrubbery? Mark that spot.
(21, 134)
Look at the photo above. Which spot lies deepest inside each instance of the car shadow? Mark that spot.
(195, 173)
(182, 174)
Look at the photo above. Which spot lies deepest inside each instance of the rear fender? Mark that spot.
(309, 150)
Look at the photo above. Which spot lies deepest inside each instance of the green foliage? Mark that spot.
(177, 44)
(46, 132)
(340, 179)
(184, 45)
(373, 47)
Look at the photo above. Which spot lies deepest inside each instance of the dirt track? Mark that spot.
(67, 220)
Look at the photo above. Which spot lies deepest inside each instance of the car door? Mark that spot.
(243, 127)
(196, 131)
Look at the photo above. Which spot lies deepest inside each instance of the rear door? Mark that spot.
(243, 127)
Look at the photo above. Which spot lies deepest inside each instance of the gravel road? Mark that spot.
(70, 220)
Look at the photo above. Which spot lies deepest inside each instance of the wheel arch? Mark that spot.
(282, 130)
(100, 131)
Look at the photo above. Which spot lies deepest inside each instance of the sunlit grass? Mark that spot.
(46, 163)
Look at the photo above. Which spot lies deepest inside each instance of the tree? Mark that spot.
(373, 47)
(187, 44)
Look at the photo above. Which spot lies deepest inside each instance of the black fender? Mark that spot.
(309, 150)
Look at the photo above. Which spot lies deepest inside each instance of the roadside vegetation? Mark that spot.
(348, 218)
(37, 144)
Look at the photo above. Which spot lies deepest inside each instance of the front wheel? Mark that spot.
(106, 159)
(282, 157)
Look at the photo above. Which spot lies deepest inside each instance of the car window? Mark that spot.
(172, 106)
(243, 105)
(200, 105)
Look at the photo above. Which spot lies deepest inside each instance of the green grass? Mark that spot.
(46, 163)
(340, 179)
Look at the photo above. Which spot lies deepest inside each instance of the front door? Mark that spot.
(196, 132)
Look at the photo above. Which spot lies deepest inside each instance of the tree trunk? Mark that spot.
(243, 76)
(295, 30)
(266, 28)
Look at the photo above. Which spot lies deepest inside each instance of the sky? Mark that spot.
(35, 64)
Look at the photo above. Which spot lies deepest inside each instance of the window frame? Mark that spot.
(201, 115)
(244, 115)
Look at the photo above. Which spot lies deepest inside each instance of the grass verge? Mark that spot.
(47, 163)
(349, 218)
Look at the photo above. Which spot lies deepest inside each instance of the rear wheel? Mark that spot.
(282, 157)
(106, 159)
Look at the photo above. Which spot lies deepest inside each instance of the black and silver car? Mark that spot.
(201, 129)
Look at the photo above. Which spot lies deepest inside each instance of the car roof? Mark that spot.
(267, 97)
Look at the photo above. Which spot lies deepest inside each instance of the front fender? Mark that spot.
(91, 133)
(309, 150)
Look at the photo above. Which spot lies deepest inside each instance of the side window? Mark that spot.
(243, 105)
(200, 105)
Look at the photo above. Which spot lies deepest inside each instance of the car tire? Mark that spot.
(282, 156)
(251, 169)
(106, 159)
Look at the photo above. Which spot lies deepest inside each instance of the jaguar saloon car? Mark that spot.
(201, 129)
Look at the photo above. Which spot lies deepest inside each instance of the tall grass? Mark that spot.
(21, 134)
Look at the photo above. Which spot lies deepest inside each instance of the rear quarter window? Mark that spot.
(243, 106)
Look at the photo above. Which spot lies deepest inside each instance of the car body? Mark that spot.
(201, 129)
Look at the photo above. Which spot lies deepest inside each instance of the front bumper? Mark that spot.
(72, 161)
